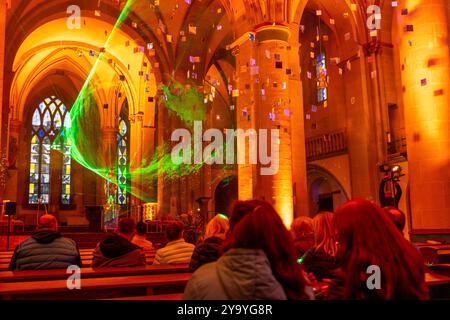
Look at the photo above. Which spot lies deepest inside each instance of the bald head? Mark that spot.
(47, 221)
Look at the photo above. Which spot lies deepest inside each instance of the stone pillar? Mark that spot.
(109, 152)
(299, 175)
(2, 63)
(264, 103)
(424, 58)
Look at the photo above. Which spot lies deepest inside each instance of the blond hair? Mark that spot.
(323, 233)
(217, 227)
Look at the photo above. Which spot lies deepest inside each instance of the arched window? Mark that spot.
(123, 160)
(322, 78)
(48, 118)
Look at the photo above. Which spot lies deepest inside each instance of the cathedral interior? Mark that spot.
(97, 97)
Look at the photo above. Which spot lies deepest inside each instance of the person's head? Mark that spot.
(262, 228)
(141, 228)
(47, 222)
(302, 227)
(175, 230)
(217, 227)
(242, 208)
(367, 237)
(126, 228)
(397, 216)
(324, 233)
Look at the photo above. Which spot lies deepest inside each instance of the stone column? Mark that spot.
(422, 37)
(109, 151)
(264, 103)
(2, 63)
(299, 175)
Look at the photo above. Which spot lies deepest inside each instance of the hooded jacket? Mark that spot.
(205, 252)
(46, 249)
(116, 251)
(240, 274)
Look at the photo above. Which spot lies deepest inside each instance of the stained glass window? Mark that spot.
(47, 120)
(322, 81)
(123, 156)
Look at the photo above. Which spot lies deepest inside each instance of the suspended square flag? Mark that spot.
(193, 59)
(254, 70)
(192, 29)
(349, 65)
(97, 13)
(318, 12)
(169, 38)
(187, 1)
(150, 45)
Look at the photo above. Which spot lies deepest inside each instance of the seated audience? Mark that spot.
(208, 250)
(259, 261)
(116, 250)
(140, 238)
(320, 260)
(368, 237)
(303, 233)
(177, 250)
(46, 249)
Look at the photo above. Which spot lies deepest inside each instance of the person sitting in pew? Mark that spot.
(46, 249)
(209, 249)
(140, 238)
(116, 250)
(177, 250)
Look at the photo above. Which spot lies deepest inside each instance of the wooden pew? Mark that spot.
(95, 288)
(85, 263)
(439, 285)
(39, 275)
(173, 296)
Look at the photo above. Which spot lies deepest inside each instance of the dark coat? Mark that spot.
(116, 251)
(46, 249)
(205, 252)
(303, 245)
(319, 263)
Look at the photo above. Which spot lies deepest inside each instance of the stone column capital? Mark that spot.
(273, 32)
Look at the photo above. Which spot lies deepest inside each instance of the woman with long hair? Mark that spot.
(368, 237)
(320, 260)
(259, 260)
(209, 249)
(303, 234)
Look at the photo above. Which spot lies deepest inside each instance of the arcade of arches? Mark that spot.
(344, 98)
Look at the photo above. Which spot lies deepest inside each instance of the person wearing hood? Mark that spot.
(117, 250)
(46, 249)
(259, 261)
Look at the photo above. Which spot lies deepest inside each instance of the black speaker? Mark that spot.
(10, 208)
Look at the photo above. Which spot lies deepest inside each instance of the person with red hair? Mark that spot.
(259, 261)
(367, 237)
